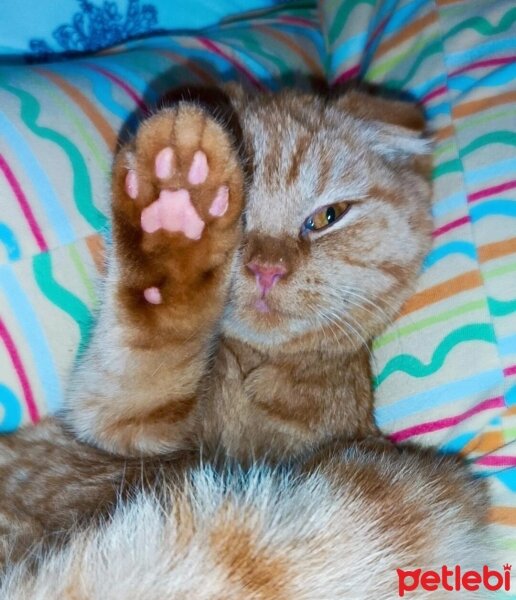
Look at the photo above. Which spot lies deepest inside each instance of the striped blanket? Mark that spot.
(445, 372)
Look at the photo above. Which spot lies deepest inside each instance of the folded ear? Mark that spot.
(396, 128)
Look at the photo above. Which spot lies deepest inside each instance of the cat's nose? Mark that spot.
(267, 275)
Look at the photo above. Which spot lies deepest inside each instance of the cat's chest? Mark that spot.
(246, 372)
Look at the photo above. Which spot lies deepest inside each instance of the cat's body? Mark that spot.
(244, 341)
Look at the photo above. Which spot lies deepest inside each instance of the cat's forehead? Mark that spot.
(298, 166)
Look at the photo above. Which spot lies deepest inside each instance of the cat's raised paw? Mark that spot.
(177, 199)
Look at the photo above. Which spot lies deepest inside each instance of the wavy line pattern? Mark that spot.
(482, 26)
(468, 91)
(414, 367)
(458, 63)
(61, 297)
(30, 112)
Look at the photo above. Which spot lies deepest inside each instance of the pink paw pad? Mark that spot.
(198, 169)
(220, 203)
(153, 295)
(131, 184)
(164, 163)
(173, 211)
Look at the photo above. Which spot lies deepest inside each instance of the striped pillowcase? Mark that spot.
(446, 371)
(59, 125)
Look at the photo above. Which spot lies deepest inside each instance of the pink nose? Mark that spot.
(266, 275)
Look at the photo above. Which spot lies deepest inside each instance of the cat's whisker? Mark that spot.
(336, 320)
(326, 320)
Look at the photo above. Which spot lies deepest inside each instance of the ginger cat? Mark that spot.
(257, 250)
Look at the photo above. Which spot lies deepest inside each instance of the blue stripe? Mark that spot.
(491, 48)
(507, 345)
(481, 174)
(455, 445)
(449, 204)
(436, 255)
(52, 206)
(506, 208)
(12, 416)
(8, 239)
(444, 108)
(139, 84)
(510, 396)
(34, 335)
(352, 46)
(401, 16)
(102, 89)
(500, 76)
(427, 86)
(439, 396)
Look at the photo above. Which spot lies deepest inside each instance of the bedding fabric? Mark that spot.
(446, 370)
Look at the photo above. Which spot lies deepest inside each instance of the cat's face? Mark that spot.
(336, 222)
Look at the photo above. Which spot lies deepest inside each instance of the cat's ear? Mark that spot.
(394, 128)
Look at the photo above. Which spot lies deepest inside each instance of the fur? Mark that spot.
(267, 534)
(194, 361)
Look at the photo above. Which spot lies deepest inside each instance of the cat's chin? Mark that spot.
(263, 325)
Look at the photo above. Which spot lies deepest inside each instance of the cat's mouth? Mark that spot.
(266, 311)
(262, 306)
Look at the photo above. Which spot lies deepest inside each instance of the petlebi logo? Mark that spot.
(454, 579)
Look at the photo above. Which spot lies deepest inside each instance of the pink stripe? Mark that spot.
(490, 62)
(20, 371)
(298, 21)
(496, 189)
(128, 90)
(451, 225)
(433, 94)
(349, 74)
(238, 66)
(431, 426)
(496, 461)
(510, 371)
(377, 32)
(24, 205)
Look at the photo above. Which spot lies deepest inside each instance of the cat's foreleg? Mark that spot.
(177, 199)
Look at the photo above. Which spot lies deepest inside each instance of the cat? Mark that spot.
(222, 414)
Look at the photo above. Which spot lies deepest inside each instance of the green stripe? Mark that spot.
(481, 119)
(502, 136)
(342, 15)
(439, 318)
(61, 297)
(78, 123)
(426, 44)
(442, 148)
(501, 308)
(412, 366)
(500, 271)
(445, 168)
(401, 84)
(30, 112)
(83, 274)
(483, 26)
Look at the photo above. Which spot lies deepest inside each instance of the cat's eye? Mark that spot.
(325, 217)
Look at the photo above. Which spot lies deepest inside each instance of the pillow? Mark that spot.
(40, 29)
(59, 126)
(446, 370)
